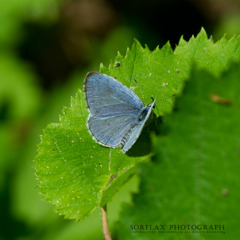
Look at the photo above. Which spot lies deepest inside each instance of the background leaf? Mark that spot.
(196, 181)
(22, 102)
(75, 173)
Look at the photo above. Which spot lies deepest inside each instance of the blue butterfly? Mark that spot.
(117, 115)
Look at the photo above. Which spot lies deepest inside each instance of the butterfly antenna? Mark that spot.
(139, 88)
(163, 100)
(167, 97)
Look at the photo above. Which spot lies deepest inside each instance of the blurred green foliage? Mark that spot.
(46, 49)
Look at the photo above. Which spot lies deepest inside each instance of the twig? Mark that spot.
(105, 223)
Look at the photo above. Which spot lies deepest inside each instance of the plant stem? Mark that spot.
(105, 223)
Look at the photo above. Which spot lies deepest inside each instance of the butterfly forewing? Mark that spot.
(107, 97)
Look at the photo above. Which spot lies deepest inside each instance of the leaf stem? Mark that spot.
(105, 223)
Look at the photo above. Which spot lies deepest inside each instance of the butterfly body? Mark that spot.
(117, 115)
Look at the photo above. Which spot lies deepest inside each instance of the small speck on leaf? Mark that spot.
(218, 99)
(225, 192)
(117, 64)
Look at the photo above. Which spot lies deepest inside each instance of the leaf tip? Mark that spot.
(167, 47)
(202, 33)
(119, 55)
(181, 41)
(102, 68)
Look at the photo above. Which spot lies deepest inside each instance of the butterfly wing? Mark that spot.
(106, 97)
(114, 111)
(110, 131)
(119, 130)
(133, 133)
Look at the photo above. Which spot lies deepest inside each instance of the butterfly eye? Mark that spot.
(150, 105)
(143, 114)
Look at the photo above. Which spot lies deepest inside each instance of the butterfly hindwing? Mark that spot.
(110, 131)
(132, 135)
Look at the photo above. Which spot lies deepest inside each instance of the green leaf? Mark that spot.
(75, 173)
(215, 57)
(161, 73)
(194, 176)
(72, 170)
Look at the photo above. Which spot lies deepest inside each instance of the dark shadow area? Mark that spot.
(143, 145)
(41, 45)
(11, 228)
(4, 110)
(163, 21)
